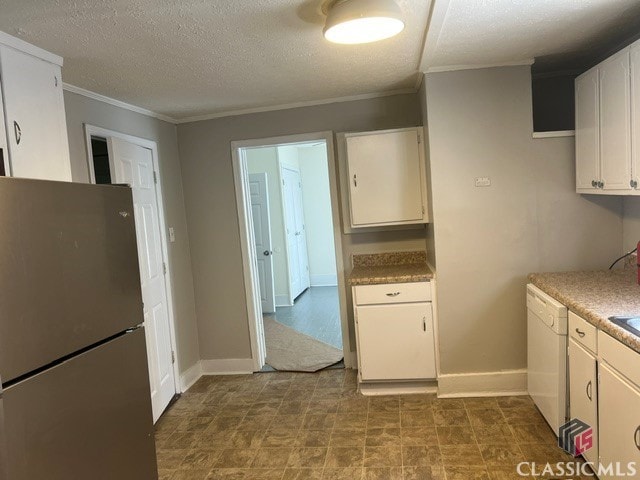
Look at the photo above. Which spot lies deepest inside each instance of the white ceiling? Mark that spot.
(196, 57)
(487, 32)
(192, 58)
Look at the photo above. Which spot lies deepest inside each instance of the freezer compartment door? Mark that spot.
(86, 418)
(69, 273)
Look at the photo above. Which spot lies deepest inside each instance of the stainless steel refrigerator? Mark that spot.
(75, 399)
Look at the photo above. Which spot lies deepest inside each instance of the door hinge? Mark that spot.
(155, 177)
(164, 268)
(173, 357)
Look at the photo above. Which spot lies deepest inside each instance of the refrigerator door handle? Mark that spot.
(3, 439)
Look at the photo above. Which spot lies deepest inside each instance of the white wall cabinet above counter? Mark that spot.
(386, 178)
(34, 138)
(608, 126)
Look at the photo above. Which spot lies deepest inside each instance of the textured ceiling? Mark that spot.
(196, 57)
(561, 33)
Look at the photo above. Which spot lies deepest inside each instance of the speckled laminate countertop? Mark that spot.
(395, 267)
(596, 296)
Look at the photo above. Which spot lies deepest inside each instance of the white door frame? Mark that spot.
(240, 175)
(93, 131)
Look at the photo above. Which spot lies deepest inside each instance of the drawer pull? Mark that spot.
(394, 294)
(580, 333)
(636, 438)
(590, 391)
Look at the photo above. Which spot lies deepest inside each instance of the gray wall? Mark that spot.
(631, 223)
(205, 154)
(81, 110)
(488, 239)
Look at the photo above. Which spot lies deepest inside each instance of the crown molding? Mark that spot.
(117, 103)
(453, 68)
(287, 106)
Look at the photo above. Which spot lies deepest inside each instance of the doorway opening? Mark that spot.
(292, 241)
(115, 158)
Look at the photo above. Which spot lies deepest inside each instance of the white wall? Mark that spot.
(316, 199)
(488, 239)
(265, 160)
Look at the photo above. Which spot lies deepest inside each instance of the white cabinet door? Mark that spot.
(615, 122)
(395, 342)
(635, 114)
(583, 395)
(386, 178)
(619, 420)
(587, 131)
(35, 119)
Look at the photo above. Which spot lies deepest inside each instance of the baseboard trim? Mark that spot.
(190, 376)
(227, 366)
(483, 384)
(397, 388)
(283, 301)
(323, 280)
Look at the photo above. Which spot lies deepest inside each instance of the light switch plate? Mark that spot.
(172, 234)
(483, 182)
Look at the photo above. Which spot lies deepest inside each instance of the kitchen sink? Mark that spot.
(632, 324)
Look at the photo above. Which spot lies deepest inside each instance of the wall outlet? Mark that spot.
(483, 182)
(172, 234)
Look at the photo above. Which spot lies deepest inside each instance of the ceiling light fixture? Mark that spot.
(362, 21)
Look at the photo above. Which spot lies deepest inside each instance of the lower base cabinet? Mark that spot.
(583, 392)
(619, 423)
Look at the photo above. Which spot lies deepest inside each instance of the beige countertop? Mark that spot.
(395, 267)
(596, 296)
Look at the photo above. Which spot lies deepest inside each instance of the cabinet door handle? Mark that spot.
(594, 184)
(636, 438)
(394, 294)
(424, 324)
(580, 333)
(590, 391)
(17, 131)
(355, 180)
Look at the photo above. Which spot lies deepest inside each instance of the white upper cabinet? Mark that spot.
(615, 122)
(635, 114)
(587, 130)
(387, 181)
(34, 115)
(608, 125)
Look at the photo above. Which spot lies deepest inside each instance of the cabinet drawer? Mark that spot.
(392, 293)
(620, 357)
(583, 332)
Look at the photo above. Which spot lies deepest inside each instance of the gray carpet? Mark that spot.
(293, 351)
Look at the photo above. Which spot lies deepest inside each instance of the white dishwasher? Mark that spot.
(547, 356)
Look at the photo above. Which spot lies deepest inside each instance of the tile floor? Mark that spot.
(316, 313)
(286, 426)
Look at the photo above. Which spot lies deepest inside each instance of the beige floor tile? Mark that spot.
(423, 473)
(352, 437)
(344, 457)
(451, 418)
(319, 421)
(384, 404)
(523, 415)
(200, 459)
(385, 473)
(420, 456)
(455, 436)
(381, 437)
(494, 434)
(508, 454)
(272, 457)
(486, 416)
(350, 420)
(475, 403)
(382, 456)
(302, 474)
(352, 473)
(280, 437)
(313, 457)
(383, 419)
(236, 458)
(461, 455)
(313, 438)
(417, 419)
(466, 473)
(419, 436)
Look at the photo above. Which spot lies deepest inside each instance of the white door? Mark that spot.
(385, 178)
(635, 113)
(134, 166)
(619, 426)
(294, 225)
(615, 122)
(396, 342)
(583, 392)
(587, 130)
(35, 119)
(260, 215)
